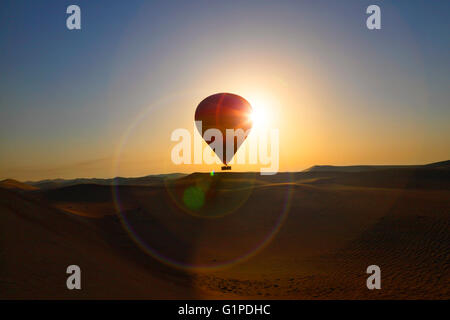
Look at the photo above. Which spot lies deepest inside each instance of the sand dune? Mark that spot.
(39, 242)
(307, 235)
(16, 185)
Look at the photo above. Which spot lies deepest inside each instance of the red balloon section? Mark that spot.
(224, 111)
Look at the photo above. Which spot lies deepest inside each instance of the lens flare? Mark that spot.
(181, 223)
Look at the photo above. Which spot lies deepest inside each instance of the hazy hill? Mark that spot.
(16, 185)
(362, 168)
(139, 181)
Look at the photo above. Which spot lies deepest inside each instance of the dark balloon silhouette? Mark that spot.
(224, 111)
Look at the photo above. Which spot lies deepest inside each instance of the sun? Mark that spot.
(259, 116)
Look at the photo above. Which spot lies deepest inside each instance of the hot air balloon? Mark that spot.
(224, 111)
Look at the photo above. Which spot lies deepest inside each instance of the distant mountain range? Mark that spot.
(360, 173)
(139, 181)
(364, 168)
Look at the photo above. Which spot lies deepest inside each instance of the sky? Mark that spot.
(103, 101)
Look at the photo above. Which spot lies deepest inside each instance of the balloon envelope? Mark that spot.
(224, 111)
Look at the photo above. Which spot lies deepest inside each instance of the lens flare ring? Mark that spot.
(165, 258)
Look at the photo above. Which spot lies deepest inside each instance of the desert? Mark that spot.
(299, 235)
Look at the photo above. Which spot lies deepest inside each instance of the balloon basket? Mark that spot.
(226, 168)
